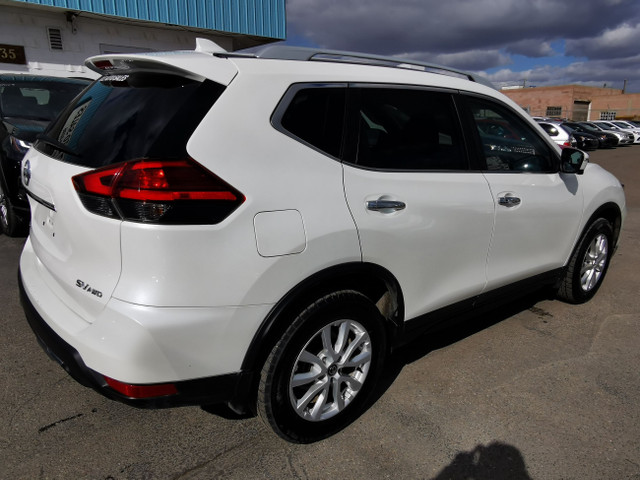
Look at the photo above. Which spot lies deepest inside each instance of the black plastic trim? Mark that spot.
(36, 198)
(474, 306)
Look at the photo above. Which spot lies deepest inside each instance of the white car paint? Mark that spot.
(145, 303)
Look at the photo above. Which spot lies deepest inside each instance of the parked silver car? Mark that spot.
(624, 138)
(619, 126)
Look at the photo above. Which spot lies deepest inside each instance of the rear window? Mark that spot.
(37, 100)
(124, 117)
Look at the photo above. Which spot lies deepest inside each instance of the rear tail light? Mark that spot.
(158, 191)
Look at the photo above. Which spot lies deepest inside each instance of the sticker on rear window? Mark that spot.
(72, 122)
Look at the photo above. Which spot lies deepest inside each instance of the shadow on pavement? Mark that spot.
(450, 334)
(421, 346)
(497, 461)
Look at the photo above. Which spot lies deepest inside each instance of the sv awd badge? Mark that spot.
(87, 288)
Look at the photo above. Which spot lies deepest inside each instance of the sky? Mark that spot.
(511, 42)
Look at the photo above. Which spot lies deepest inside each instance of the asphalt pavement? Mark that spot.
(538, 390)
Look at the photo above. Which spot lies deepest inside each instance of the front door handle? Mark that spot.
(385, 206)
(509, 201)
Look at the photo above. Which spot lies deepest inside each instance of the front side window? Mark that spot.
(508, 143)
(408, 129)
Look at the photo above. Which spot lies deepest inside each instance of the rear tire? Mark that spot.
(588, 264)
(318, 377)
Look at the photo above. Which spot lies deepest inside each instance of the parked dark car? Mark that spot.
(27, 104)
(584, 140)
(605, 139)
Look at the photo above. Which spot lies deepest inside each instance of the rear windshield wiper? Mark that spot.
(57, 145)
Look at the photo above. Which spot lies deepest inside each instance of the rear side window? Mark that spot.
(408, 129)
(315, 115)
(125, 117)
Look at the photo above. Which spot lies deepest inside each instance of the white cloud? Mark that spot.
(620, 41)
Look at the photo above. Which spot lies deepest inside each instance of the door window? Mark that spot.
(508, 143)
(408, 129)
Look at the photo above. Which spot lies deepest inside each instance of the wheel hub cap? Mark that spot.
(330, 370)
(594, 263)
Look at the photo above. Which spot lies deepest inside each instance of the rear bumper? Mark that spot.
(203, 391)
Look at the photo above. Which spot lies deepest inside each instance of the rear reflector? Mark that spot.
(158, 191)
(142, 391)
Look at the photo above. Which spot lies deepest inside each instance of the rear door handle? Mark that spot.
(509, 201)
(385, 206)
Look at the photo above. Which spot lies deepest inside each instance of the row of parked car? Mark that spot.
(593, 134)
(27, 104)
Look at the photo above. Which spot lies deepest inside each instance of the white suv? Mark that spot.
(262, 231)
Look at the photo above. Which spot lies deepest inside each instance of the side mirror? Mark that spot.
(573, 160)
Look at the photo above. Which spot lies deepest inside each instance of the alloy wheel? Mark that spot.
(594, 262)
(330, 370)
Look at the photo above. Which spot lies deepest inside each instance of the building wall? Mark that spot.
(596, 100)
(264, 18)
(86, 37)
(626, 107)
(84, 34)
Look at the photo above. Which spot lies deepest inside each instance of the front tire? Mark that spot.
(318, 377)
(588, 264)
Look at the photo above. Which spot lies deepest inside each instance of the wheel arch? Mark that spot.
(373, 281)
(611, 212)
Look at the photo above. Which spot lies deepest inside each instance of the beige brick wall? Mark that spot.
(537, 99)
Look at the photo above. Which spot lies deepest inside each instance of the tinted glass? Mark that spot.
(124, 117)
(316, 115)
(409, 129)
(39, 100)
(508, 143)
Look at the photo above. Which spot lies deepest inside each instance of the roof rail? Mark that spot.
(286, 52)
